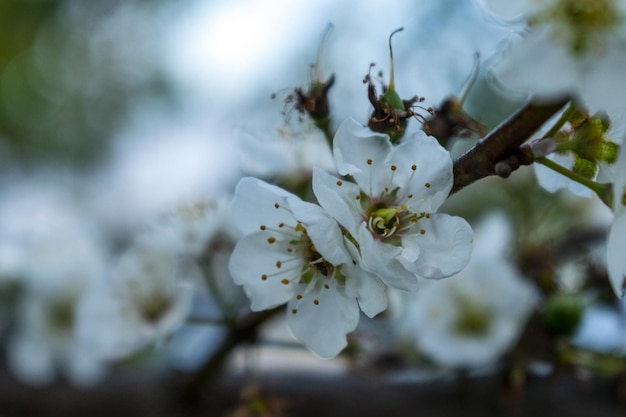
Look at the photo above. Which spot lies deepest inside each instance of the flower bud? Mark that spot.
(562, 314)
(391, 113)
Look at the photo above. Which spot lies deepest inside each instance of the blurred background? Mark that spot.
(115, 114)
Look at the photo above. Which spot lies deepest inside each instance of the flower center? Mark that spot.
(582, 25)
(472, 320)
(389, 222)
(153, 308)
(61, 315)
(384, 221)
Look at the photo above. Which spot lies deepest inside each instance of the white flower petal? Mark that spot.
(446, 246)
(354, 145)
(322, 327)
(254, 257)
(557, 75)
(510, 9)
(382, 259)
(339, 201)
(604, 88)
(31, 360)
(258, 203)
(616, 261)
(323, 231)
(431, 181)
(552, 181)
(370, 293)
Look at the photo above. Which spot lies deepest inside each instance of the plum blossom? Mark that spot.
(472, 318)
(293, 252)
(391, 209)
(570, 47)
(145, 300)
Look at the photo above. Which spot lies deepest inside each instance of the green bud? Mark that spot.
(589, 142)
(584, 167)
(391, 112)
(562, 314)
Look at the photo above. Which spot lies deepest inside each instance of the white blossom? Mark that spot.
(470, 319)
(391, 209)
(570, 47)
(190, 228)
(293, 252)
(44, 344)
(145, 300)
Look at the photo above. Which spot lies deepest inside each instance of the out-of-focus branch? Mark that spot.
(244, 330)
(500, 150)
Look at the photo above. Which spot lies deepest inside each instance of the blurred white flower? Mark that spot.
(470, 319)
(295, 253)
(571, 47)
(61, 265)
(285, 151)
(391, 210)
(191, 227)
(142, 303)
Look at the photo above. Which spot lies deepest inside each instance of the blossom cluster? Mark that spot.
(375, 227)
(568, 47)
(79, 308)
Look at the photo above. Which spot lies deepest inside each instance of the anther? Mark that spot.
(393, 167)
(413, 167)
(294, 311)
(279, 264)
(271, 240)
(369, 162)
(281, 225)
(316, 302)
(422, 231)
(326, 286)
(276, 205)
(339, 183)
(409, 196)
(427, 185)
(262, 227)
(264, 277)
(284, 281)
(299, 297)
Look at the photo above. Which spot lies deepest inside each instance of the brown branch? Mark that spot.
(501, 143)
